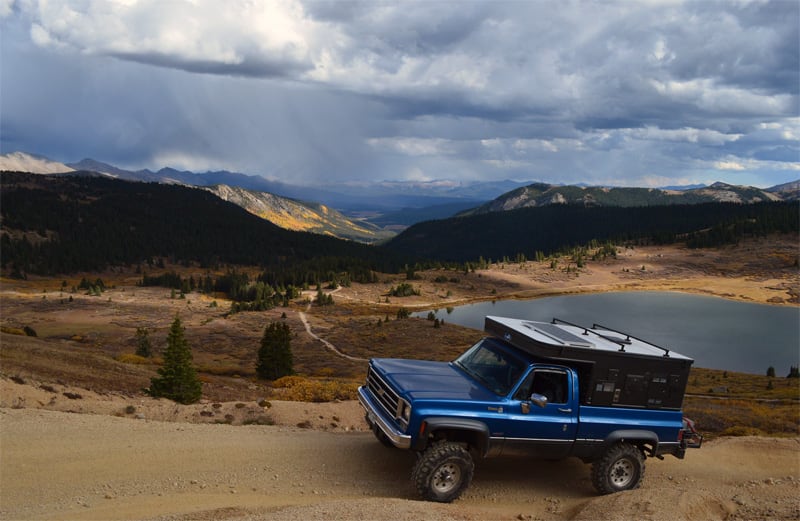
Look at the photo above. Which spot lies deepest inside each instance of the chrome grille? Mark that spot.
(383, 393)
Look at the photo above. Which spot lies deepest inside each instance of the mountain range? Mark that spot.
(373, 212)
(540, 194)
(52, 224)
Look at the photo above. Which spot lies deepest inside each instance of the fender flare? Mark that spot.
(633, 435)
(437, 423)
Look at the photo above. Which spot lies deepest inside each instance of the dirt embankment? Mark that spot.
(57, 465)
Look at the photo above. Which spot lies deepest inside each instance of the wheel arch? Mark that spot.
(473, 433)
(646, 441)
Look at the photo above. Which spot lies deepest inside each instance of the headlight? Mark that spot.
(405, 411)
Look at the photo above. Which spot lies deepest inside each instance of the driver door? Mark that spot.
(546, 431)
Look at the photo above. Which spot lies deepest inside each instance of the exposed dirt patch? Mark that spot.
(57, 465)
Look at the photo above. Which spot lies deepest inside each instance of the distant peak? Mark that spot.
(720, 184)
(24, 162)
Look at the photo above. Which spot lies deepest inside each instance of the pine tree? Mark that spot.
(143, 346)
(275, 353)
(178, 380)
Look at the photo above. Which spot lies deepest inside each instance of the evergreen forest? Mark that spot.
(65, 224)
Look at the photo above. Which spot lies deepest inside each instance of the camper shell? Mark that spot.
(616, 369)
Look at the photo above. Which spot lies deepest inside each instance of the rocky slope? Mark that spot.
(540, 194)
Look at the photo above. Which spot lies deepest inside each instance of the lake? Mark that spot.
(717, 333)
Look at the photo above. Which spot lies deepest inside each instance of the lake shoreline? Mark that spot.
(716, 333)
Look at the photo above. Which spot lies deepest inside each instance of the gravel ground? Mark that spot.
(58, 465)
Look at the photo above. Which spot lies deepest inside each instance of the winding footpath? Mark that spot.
(327, 344)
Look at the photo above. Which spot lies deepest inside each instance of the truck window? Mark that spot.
(492, 366)
(551, 383)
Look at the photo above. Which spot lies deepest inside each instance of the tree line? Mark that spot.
(77, 223)
(66, 224)
(560, 228)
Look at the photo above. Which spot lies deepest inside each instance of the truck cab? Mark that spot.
(501, 399)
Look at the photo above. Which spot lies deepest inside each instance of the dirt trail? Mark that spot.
(331, 347)
(56, 465)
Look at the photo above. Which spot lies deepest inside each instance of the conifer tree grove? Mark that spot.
(178, 379)
(275, 353)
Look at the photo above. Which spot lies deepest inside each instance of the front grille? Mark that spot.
(383, 393)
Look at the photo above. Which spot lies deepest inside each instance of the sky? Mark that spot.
(643, 93)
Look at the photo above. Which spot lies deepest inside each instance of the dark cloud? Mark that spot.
(253, 67)
(605, 92)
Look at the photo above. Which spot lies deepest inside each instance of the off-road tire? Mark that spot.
(620, 468)
(443, 472)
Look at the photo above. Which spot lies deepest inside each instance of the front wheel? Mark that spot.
(620, 468)
(443, 472)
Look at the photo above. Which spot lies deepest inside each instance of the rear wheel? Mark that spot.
(620, 468)
(443, 472)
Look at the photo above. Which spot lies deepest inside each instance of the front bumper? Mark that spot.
(376, 418)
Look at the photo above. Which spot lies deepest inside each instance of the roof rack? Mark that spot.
(619, 341)
(628, 337)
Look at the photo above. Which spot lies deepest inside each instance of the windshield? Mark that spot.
(492, 366)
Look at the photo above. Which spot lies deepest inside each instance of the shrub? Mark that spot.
(288, 382)
(306, 390)
(130, 358)
(143, 345)
(742, 430)
(403, 290)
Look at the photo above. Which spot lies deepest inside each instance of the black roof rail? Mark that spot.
(629, 336)
(620, 342)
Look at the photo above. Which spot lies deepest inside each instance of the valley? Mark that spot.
(248, 450)
(88, 340)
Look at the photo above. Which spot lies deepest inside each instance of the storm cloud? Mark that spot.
(623, 93)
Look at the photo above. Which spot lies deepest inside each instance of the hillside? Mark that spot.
(540, 194)
(555, 227)
(296, 215)
(66, 224)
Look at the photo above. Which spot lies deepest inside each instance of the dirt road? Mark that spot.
(56, 465)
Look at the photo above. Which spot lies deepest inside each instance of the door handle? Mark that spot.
(562, 409)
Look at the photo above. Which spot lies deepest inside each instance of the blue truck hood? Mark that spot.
(420, 379)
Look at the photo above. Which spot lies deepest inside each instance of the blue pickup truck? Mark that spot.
(545, 389)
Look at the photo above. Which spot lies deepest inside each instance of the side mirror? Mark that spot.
(539, 399)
